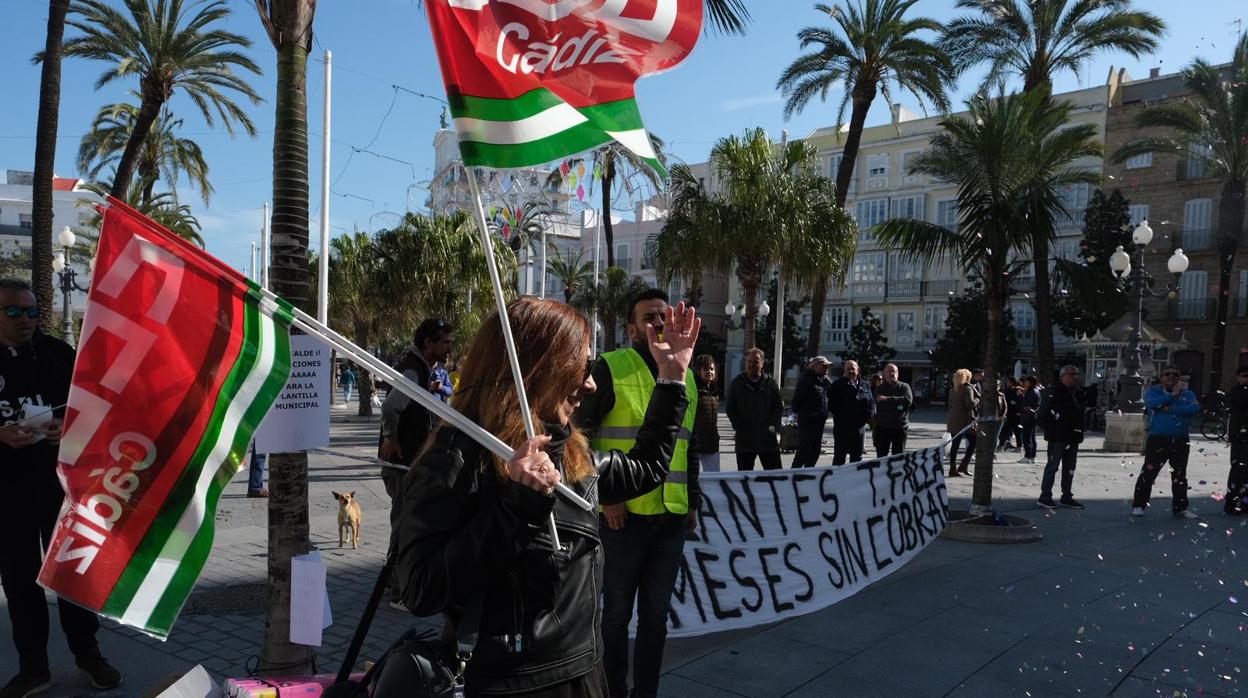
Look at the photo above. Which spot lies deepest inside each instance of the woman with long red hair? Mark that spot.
(473, 532)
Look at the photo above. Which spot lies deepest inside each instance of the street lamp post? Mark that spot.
(1136, 280)
(68, 281)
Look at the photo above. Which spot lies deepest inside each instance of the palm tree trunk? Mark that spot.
(608, 328)
(608, 232)
(986, 433)
(149, 111)
(1043, 302)
(45, 162)
(750, 289)
(289, 26)
(1230, 221)
(844, 177)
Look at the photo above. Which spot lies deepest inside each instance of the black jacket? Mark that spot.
(1237, 403)
(852, 406)
(754, 408)
(415, 422)
(810, 397)
(38, 374)
(1062, 414)
(464, 534)
(706, 419)
(894, 410)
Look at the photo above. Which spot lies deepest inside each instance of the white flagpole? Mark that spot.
(265, 243)
(403, 384)
(597, 244)
(500, 304)
(322, 286)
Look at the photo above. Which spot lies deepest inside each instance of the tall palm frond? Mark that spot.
(167, 46)
(571, 271)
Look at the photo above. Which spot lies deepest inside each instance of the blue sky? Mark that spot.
(727, 85)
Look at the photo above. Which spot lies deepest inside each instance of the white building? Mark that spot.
(71, 206)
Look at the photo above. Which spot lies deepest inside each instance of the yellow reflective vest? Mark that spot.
(632, 384)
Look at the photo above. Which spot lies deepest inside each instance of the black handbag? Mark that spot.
(420, 666)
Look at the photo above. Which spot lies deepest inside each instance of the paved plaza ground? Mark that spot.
(1105, 604)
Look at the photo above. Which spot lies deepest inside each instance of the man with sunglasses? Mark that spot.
(1171, 406)
(35, 373)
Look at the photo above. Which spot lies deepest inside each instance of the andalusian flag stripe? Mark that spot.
(538, 127)
(162, 571)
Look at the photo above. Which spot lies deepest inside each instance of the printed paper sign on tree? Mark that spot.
(532, 81)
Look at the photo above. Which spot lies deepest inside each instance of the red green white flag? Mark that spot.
(179, 359)
(533, 81)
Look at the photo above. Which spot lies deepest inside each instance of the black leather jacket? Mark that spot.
(464, 534)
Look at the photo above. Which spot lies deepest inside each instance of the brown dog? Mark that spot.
(348, 518)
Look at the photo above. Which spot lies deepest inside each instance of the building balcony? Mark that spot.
(905, 289)
(942, 288)
(870, 290)
(931, 337)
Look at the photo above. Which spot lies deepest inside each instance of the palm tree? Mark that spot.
(809, 235)
(573, 273)
(288, 24)
(728, 16)
(164, 155)
(610, 299)
(1211, 124)
(167, 46)
(45, 160)
(1037, 40)
(872, 48)
(1008, 157)
(356, 305)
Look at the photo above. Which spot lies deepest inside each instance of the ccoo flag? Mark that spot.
(180, 358)
(533, 81)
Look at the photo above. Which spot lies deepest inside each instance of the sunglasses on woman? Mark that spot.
(16, 311)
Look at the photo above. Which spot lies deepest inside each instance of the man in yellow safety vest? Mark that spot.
(643, 539)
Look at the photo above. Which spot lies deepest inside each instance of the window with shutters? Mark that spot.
(1136, 162)
(1197, 220)
(877, 166)
(907, 161)
(25, 221)
(1198, 157)
(934, 323)
(870, 213)
(905, 328)
(907, 207)
(1024, 316)
(905, 276)
(1074, 203)
(836, 326)
(1138, 213)
(1193, 295)
(947, 214)
(868, 275)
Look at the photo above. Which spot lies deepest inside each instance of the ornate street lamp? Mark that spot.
(1137, 281)
(68, 281)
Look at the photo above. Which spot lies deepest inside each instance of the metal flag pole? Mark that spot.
(266, 242)
(597, 244)
(322, 286)
(777, 361)
(504, 322)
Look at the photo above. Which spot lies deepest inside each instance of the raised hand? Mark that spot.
(674, 352)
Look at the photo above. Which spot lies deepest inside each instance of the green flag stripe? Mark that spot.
(197, 553)
(574, 140)
(495, 109)
(179, 497)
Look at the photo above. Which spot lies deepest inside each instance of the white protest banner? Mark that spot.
(299, 420)
(781, 543)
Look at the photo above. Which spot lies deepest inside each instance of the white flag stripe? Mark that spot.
(138, 613)
(637, 141)
(543, 124)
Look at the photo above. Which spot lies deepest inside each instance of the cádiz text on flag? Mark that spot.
(532, 81)
(180, 358)
(776, 544)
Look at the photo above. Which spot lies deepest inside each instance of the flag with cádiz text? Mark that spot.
(180, 357)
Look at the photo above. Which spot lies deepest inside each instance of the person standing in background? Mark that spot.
(754, 408)
(963, 408)
(348, 383)
(852, 407)
(1063, 420)
(893, 402)
(810, 406)
(1236, 501)
(1029, 408)
(1171, 406)
(706, 421)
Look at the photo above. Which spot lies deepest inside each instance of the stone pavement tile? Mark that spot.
(1024, 556)
(1211, 651)
(1134, 687)
(762, 665)
(908, 664)
(837, 628)
(679, 651)
(676, 686)
(984, 687)
(1060, 660)
(1051, 592)
(964, 625)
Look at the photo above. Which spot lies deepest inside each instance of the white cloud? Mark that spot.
(750, 102)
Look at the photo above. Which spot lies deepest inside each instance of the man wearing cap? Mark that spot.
(893, 402)
(810, 406)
